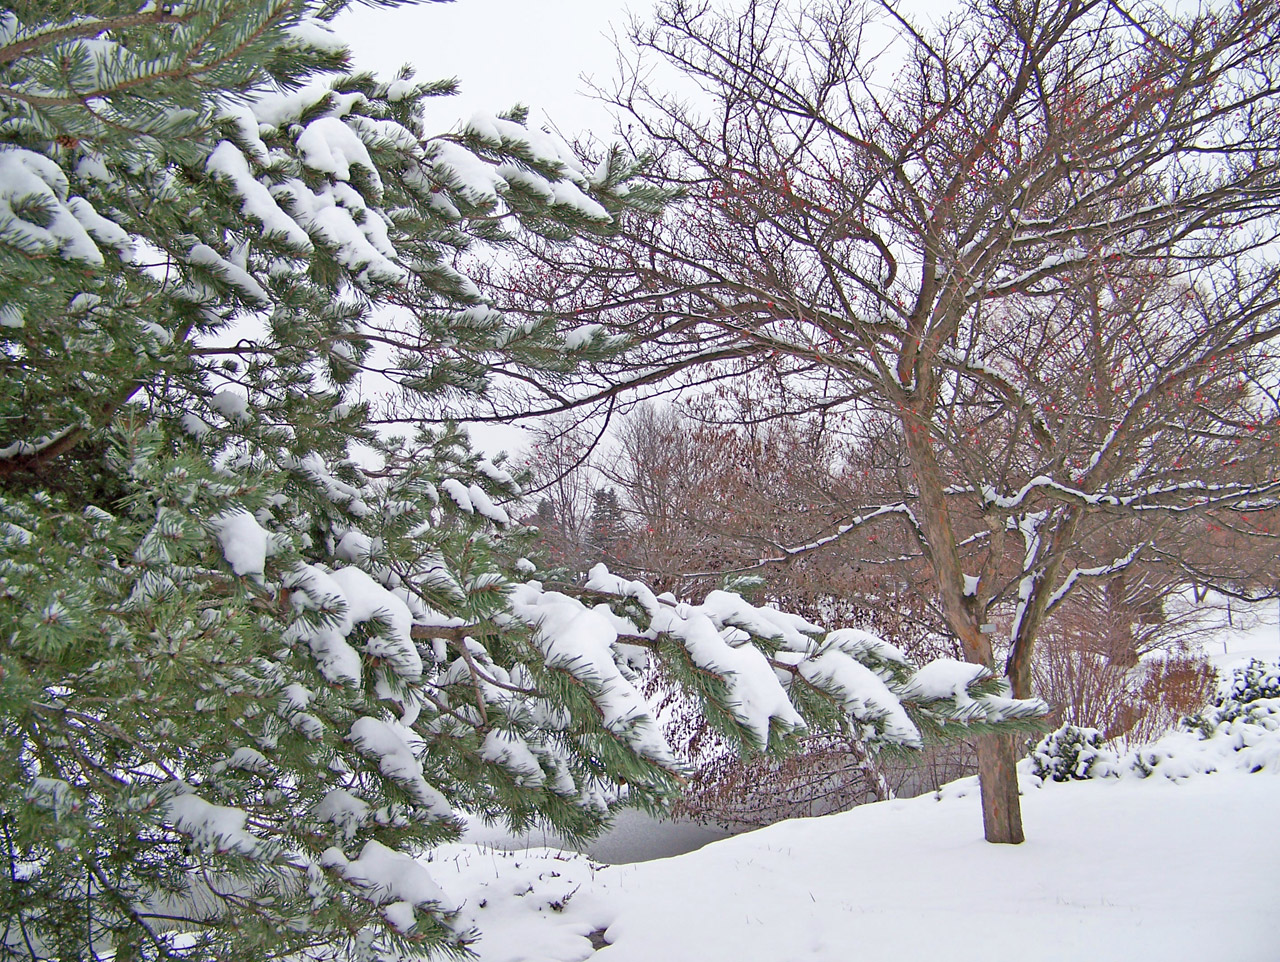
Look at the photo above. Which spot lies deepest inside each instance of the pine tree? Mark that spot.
(245, 676)
(608, 524)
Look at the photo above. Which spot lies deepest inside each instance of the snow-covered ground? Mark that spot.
(1113, 869)
(1243, 632)
(1123, 870)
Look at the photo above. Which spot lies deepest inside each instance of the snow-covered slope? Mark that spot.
(1251, 631)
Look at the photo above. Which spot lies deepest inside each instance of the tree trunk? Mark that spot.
(998, 779)
(997, 754)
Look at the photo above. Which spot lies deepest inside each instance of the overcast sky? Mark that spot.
(502, 51)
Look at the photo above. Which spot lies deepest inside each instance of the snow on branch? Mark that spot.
(1156, 498)
(790, 552)
(1100, 571)
(771, 665)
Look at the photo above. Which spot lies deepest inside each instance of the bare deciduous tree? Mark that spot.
(1039, 252)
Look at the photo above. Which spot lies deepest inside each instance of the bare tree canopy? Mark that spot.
(1038, 255)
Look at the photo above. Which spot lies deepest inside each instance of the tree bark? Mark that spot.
(997, 754)
(998, 780)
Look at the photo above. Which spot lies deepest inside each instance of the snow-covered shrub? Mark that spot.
(1072, 753)
(1251, 693)
(1240, 731)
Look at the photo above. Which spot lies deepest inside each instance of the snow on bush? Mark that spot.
(1240, 731)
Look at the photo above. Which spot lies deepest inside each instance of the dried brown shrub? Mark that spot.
(1117, 692)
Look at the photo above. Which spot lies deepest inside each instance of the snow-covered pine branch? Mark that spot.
(766, 673)
(258, 655)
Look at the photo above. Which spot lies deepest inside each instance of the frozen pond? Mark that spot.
(635, 837)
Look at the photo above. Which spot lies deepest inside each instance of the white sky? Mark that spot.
(502, 51)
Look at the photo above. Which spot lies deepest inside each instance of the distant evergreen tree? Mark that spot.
(608, 523)
(243, 677)
(545, 513)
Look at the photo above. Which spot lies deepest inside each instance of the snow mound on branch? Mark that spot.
(459, 493)
(233, 274)
(330, 146)
(511, 752)
(31, 182)
(232, 405)
(472, 499)
(863, 693)
(484, 505)
(396, 749)
(468, 174)
(214, 825)
(581, 641)
(944, 678)
(758, 697)
(859, 643)
(344, 598)
(727, 608)
(245, 543)
(228, 163)
(397, 882)
(366, 601)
